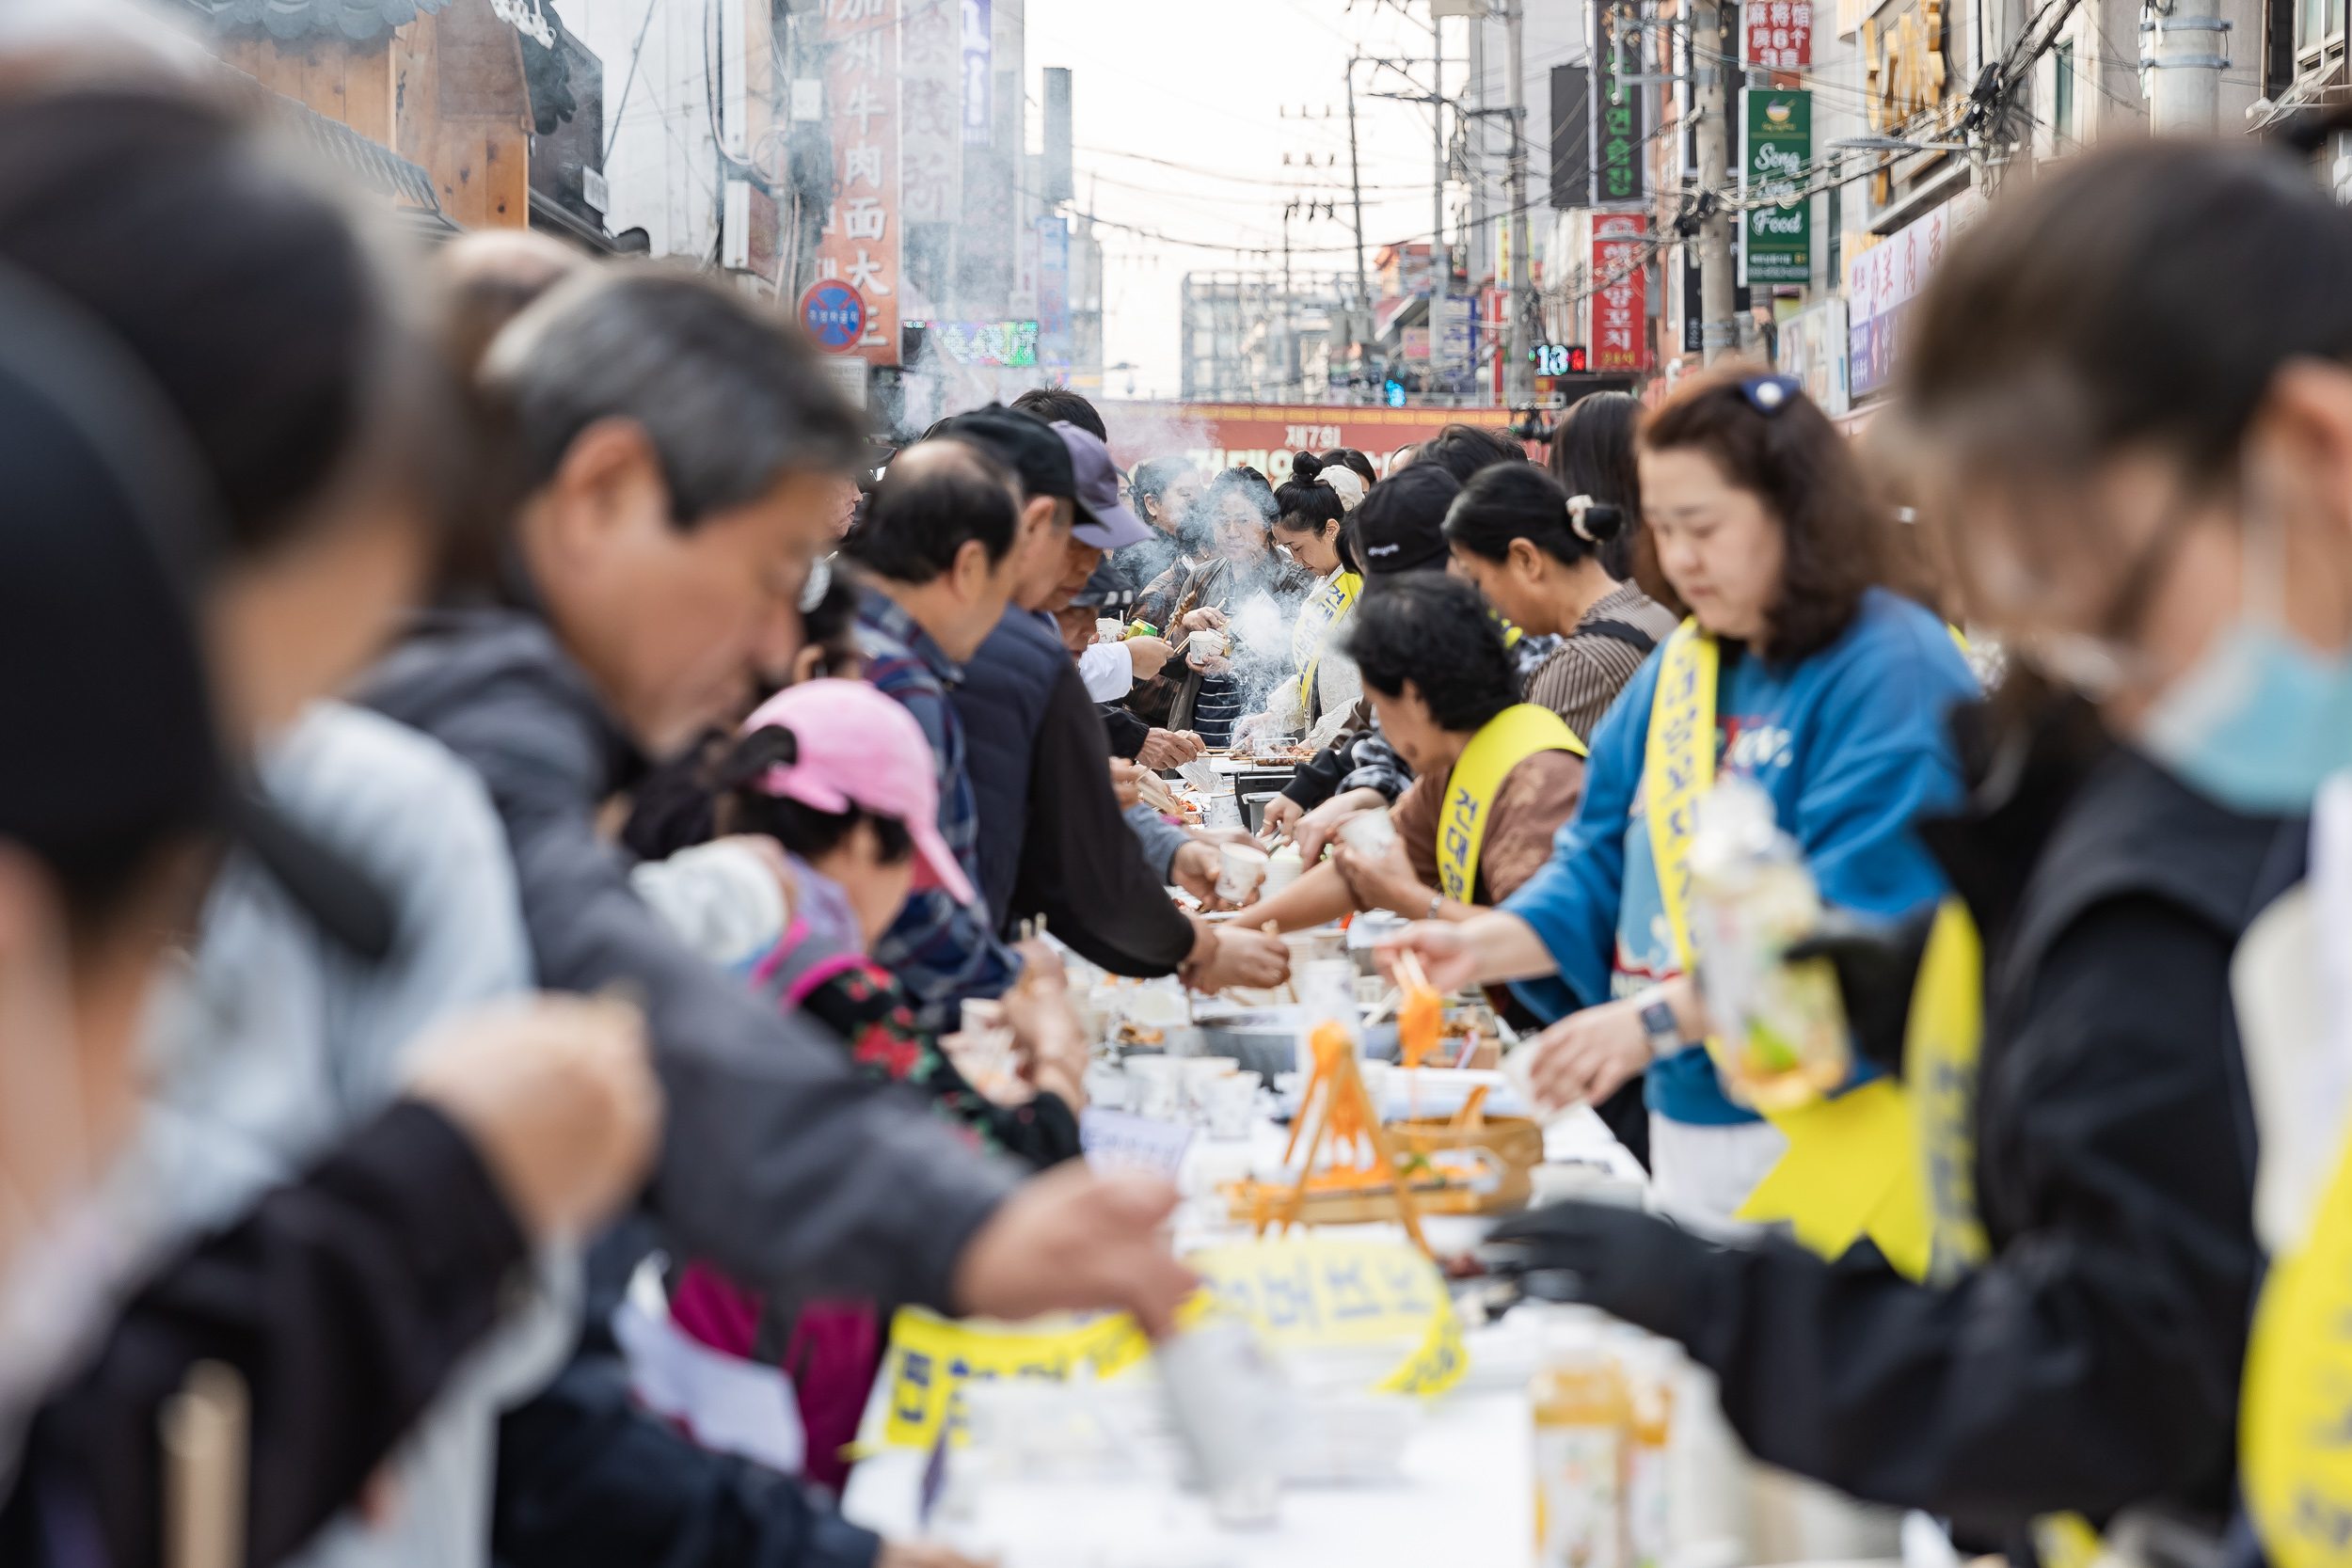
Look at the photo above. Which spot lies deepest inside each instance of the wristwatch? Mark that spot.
(1658, 1021)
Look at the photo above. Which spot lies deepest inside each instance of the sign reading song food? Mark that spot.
(1779, 170)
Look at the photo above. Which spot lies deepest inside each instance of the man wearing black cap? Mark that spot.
(1053, 841)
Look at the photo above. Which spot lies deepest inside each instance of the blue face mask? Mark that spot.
(2258, 722)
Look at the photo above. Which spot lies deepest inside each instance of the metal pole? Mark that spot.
(1440, 263)
(1720, 333)
(1362, 312)
(1289, 332)
(1518, 377)
(2190, 48)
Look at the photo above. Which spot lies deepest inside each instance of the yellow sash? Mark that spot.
(1851, 1168)
(1504, 741)
(2295, 1441)
(1311, 632)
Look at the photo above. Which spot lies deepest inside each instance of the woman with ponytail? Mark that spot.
(1314, 505)
(1538, 555)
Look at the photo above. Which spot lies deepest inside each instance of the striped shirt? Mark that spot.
(1590, 667)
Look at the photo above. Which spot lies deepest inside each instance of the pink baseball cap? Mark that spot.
(859, 747)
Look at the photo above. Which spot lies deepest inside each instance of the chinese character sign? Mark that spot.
(860, 241)
(1620, 304)
(1780, 34)
(1881, 281)
(1617, 142)
(1778, 168)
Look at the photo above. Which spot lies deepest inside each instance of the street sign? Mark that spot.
(1779, 165)
(834, 314)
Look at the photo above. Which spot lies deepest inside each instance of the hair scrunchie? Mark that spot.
(1346, 483)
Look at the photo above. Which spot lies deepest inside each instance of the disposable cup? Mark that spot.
(1155, 1088)
(1243, 867)
(1229, 1104)
(1108, 630)
(1208, 643)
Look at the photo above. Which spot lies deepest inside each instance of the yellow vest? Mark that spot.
(1504, 741)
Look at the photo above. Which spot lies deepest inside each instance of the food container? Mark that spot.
(1208, 643)
(1282, 867)
(1108, 630)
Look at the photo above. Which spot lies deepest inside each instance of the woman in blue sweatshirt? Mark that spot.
(1830, 693)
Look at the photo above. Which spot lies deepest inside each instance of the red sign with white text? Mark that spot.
(1620, 303)
(1780, 34)
(1265, 436)
(860, 240)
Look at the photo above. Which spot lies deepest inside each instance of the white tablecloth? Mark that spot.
(1466, 1498)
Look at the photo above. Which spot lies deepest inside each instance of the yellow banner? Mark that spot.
(1300, 1293)
(1504, 741)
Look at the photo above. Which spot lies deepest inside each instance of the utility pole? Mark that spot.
(1290, 314)
(1518, 378)
(2189, 48)
(1720, 333)
(1361, 315)
(1440, 263)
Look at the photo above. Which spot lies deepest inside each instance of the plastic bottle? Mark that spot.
(1781, 1038)
(1648, 1374)
(1582, 1421)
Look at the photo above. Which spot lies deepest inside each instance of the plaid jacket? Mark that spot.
(941, 951)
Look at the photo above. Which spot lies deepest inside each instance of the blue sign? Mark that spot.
(834, 314)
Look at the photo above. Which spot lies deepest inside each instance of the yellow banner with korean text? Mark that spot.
(1300, 1293)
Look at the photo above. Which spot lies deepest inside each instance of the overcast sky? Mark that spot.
(1202, 85)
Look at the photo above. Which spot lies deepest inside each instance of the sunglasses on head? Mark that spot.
(1769, 394)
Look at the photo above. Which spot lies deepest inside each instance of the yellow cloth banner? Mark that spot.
(1299, 1292)
(2295, 1415)
(1311, 632)
(1852, 1167)
(1504, 741)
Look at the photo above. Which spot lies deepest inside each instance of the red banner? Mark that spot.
(860, 243)
(1217, 435)
(1620, 304)
(1780, 34)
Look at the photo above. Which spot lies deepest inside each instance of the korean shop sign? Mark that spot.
(1616, 117)
(1778, 169)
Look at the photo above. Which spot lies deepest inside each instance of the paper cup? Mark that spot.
(1282, 868)
(1155, 1088)
(1197, 1073)
(1208, 643)
(1370, 834)
(1229, 1104)
(1108, 630)
(1244, 869)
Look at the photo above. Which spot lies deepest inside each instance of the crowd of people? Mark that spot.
(509, 788)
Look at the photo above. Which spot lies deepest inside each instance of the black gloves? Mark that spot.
(1876, 965)
(1629, 1264)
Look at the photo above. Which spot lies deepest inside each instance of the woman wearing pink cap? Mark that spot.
(840, 776)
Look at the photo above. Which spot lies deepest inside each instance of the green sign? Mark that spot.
(1618, 140)
(1779, 164)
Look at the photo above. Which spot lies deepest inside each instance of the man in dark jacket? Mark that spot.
(683, 456)
(1054, 841)
(2091, 1363)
